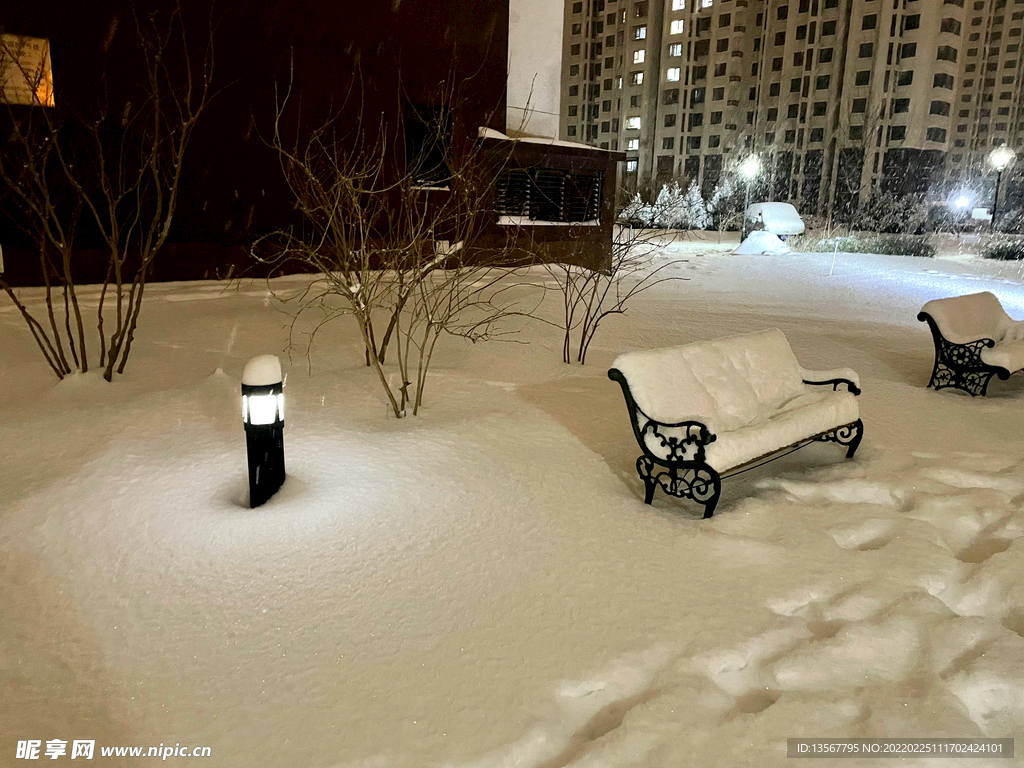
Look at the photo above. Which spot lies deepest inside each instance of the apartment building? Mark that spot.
(834, 96)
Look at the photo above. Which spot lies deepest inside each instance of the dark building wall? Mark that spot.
(364, 60)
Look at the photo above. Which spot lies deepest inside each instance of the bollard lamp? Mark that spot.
(263, 417)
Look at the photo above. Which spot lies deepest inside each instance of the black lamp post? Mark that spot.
(263, 416)
(999, 158)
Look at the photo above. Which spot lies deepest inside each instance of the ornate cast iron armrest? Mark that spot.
(963, 352)
(691, 433)
(850, 386)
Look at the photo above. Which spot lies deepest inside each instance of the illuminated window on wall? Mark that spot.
(631, 166)
(633, 145)
(676, 27)
(633, 123)
(675, 50)
(636, 78)
(672, 75)
(640, 33)
(678, 5)
(638, 56)
(26, 76)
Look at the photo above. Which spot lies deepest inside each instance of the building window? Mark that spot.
(714, 141)
(780, 38)
(672, 74)
(697, 96)
(668, 142)
(640, 10)
(793, 110)
(675, 50)
(822, 82)
(820, 108)
(946, 53)
(769, 138)
(773, 89)
(936, 134)
(773, 115)
(722, 45)
(794, 85)
(914, 22)
(675, 27)
(856, 132)
(573, 110)
(633, 123)
(859, 106)
(725, 20)
(906, 77)
(693, 142)
(908, 50)
(571, 130)
(897, 132)
(716, 118)
(631, 166)
(827, 28)
(801, 32)
(671, 96)
(670, 119)
(606, 105)
(717, 94)
(867, 50)
(942, 80)
(790, 137)
(817, 135)
(574, 70)
(639, 56)
(574, 90)
(720, 69)
(678, 5)
(900, 105)
(632, 145)
(862, 78)
(577, 7)
(640, 33)
(948, 25)
(869, 22)
(824, 55)
(605, 126)
(636, 78)
(696, 120)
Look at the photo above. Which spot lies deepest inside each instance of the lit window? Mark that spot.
(633, 144)
(706, 3)
(636, 78)
(25, 73)
(673, 74)
(631, 165)
(632, 123)
(676, 49)
(676, 27)
(638, 56)
(678, 5)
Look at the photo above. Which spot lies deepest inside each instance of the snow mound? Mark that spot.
(262, 371)
(761, 242)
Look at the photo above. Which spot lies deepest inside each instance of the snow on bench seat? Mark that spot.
(974, 340)
(749, 391)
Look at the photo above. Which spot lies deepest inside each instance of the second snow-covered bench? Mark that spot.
(701, 410)
(974, 340)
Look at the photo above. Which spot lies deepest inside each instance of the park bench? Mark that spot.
(702, 410)
(974, 340)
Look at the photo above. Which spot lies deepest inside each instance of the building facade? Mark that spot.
(835, 96)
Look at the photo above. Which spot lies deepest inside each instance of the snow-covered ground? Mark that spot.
(481, 585)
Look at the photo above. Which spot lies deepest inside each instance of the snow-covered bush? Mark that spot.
(726, 205)
(1004, 250)
(886, 212)
(894, 245)
(671, 209)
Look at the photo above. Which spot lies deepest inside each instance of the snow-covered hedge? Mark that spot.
(1004, 250)
(672, 209)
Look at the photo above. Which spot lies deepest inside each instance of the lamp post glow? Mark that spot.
(999, 158)
(263, 416)
(749, 170)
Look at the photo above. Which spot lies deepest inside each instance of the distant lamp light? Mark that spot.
(1000, 157)
(750, 168)
(962, 202)
(263, 417)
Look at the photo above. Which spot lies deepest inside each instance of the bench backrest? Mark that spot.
(726, 384)
(962, 319)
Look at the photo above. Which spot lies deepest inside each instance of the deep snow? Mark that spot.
(481, 585)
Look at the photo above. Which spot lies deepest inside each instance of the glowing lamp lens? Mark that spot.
(261, 409)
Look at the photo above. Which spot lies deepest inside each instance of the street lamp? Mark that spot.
(263, 416)
(749, 169)
(999, 158)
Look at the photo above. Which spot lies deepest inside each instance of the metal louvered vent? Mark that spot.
(549, 194)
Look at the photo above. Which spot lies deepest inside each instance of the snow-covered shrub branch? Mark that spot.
(590, 296)
(398, 246)
(110, 174)
(672, 209)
